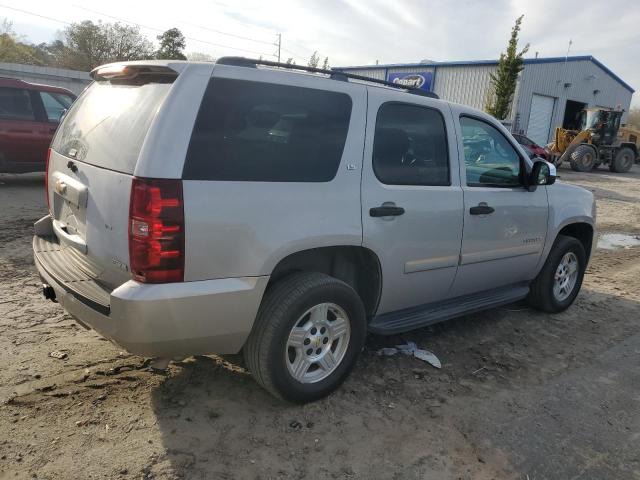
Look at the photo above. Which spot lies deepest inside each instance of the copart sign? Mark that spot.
(421, 80)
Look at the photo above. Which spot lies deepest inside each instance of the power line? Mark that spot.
(34, 14)
(120, 19)
(299, 57)
(224, 33)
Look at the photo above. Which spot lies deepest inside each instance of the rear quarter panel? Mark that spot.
(239, 229)
(165, 146)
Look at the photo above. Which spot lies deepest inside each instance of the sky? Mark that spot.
(357, 32)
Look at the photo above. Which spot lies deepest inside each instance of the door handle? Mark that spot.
(482, 209)
(386, 211)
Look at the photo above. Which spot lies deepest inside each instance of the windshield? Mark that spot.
(107, 125)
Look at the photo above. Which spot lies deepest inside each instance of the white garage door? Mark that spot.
(540, 118)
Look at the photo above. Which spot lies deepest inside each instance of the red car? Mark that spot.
(532, 147)
(29, 116)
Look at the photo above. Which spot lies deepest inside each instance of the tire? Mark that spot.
(289, 303)
(583, 158)
(623, 161)
(542, 295)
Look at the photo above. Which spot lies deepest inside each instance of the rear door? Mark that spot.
(411, 197)
(21, 131)
(504, 223)
(98, 148)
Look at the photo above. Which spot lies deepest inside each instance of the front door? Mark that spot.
(504, 224)
(411, 198)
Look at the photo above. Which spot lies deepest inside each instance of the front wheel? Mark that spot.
(583, 159)
(558, 283)
(307, 337)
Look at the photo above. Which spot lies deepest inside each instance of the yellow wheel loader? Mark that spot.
(597, 143)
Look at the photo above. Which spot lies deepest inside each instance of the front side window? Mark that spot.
(15, 104)
(410, 146)
(262, 132)
(55, 104)
(490, 160)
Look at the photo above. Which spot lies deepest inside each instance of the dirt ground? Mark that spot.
(521, 394)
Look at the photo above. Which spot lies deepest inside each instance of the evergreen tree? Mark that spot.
(172, 43)
(504, 80)
(314, 60)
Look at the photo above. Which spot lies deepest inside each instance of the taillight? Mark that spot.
(46, 179)
(156, 230)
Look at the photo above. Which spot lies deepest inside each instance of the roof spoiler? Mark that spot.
(126, 71)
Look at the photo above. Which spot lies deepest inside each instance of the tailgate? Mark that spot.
(90, 210)
(92, 161)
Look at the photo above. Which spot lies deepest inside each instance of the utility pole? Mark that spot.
(279, 44)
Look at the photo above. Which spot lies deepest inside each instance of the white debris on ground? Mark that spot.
(410, 348)
(613, 241)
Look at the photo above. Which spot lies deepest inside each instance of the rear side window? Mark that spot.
(15, 104)
(410, 146)
(262, 132)
(108, 123)
(55, 104)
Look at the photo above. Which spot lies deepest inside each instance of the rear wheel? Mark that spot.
(558, 283)
(623, 161)
(307, 337)
(583, 158)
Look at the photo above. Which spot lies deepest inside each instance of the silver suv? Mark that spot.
(200, 208)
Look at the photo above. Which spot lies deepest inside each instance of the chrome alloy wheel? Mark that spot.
(317, 343)
(565, 277)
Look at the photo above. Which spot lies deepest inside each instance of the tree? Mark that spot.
(314, 60)
(290, 61)
(200, 57)
(172, 44)
(504, 80)
(14, 50)
(634, 117)
(86, 45)
(325, 64)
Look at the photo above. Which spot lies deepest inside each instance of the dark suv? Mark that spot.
(29, 116)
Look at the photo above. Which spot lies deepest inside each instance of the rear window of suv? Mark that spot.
(108, 123)
(262, 132)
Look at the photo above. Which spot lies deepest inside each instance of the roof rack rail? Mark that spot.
(333, 74)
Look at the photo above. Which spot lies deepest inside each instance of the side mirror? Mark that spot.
(542, 173)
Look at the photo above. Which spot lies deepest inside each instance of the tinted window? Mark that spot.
(15, 104)
(490, 160)
(252, 131)
(410, 146)
(108, 123)
(55, 104)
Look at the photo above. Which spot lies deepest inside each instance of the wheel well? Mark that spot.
(583, 232)
(356, 266)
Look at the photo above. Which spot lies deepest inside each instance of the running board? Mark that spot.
(416, 317)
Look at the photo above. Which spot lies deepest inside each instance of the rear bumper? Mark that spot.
(167, 320)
